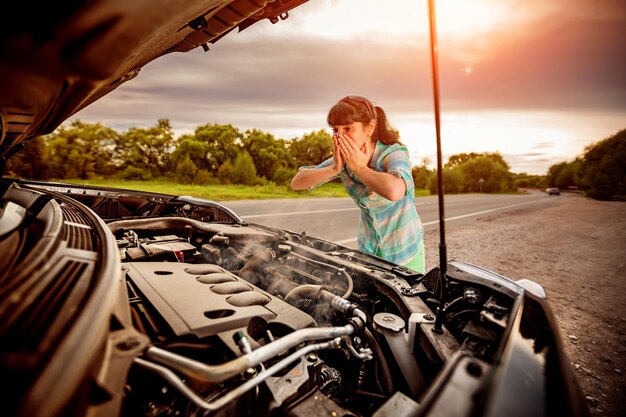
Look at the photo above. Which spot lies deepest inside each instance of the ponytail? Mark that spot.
(384, 132)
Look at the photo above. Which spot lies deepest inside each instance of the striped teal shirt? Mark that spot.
(393, 227)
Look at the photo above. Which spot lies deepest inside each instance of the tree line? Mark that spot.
(222, 154)
(600, 171)
(219, 154)
(213, 154)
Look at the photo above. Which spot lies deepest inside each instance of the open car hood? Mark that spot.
(60, 59)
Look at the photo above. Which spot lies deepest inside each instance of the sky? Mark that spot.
(534, 80)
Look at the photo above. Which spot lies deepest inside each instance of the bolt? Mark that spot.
(127, 345)
(474, 369)
(311, 357)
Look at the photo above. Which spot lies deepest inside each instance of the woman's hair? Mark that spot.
(352, 109)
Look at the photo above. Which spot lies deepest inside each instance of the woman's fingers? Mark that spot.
(338, 147)
(351, 143)
(352, 155)
(339, 159)
(349, 149)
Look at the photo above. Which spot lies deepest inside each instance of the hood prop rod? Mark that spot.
(443, 256)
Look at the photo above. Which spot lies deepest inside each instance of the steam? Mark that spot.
(292, 277)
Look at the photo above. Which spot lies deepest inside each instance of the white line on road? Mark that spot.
(290, 213)
(256, 216)
(448, 219)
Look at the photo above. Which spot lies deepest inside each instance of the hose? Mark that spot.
(204, 373)
(350, 282)
(214, 405)
(386, 378)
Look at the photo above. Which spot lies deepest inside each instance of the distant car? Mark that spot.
(553, 191)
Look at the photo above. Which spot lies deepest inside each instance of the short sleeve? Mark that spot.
(397, 163)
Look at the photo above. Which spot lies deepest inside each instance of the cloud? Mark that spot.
(566, 65)
(529, 163)
(290, 81)
(563, 65)
(543, 145)
(532, 155)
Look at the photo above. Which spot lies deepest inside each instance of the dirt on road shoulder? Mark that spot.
(576, 249)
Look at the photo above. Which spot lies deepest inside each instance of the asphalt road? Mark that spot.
(336, 219)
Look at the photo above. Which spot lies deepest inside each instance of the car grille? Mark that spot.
(23, 329)
(77, 230)
(46, 291)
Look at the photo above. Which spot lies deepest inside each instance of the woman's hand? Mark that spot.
(338, 160)
(353, 156)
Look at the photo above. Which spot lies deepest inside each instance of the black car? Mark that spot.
(553, 191)
(124, 303)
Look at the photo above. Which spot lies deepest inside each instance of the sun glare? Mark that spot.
(461, 19)
(468, 18)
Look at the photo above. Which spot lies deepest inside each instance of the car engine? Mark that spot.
(244, 320)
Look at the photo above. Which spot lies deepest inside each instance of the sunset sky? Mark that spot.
(536, 81)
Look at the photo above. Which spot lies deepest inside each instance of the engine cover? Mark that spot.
(205, 300)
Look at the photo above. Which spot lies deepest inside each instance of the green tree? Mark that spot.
(188, 147)
(554, 172)
(565, 174)
(569, 175)
(422, 175)
(312, 148)
(148, 149)
(495, 176)
(283, 175)
(204, 177)
(225, 172)
(134, 173)
(186, 171)
(460, 158)
(524, 180)
(221, 143)
(244, 171)
(31, 161)
(81, 150)
(268, 153)
(486, 172)
(604, 168)
(453, 181)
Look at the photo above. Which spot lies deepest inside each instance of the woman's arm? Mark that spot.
(386, 185)
(309, 177)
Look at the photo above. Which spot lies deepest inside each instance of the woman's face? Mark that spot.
(357, 131)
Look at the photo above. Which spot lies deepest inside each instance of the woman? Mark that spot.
(374, 167)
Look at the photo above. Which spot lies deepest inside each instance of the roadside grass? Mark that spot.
(224, 192)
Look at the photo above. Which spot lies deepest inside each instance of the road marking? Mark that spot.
(478, 213)
(448, 219)
(291, 213)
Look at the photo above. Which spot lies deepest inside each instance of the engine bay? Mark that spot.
(169, 306)
(249, 321)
